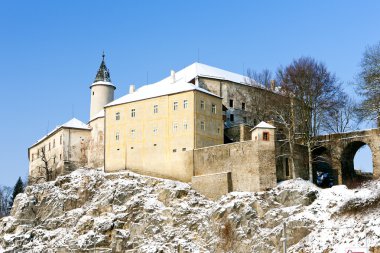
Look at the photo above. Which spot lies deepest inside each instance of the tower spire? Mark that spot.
(103, 73)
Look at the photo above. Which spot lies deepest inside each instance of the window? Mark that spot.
(133, 113)
(203, 126)
(185, 126)
(213, 109)
(265, 136)
(60, 157)
(38, 153)
(287, 171)
(185, 104)
(131, 147)
(174, 150)
(243, 106)
(54, 160)
(93, 93)
(133, 131)
(117, 116)
(54, 143)
(218, 130)
(202, 104)
(155, 145)
(117, 136)
(155, 109)
(231, 103)
(232, 118)
(175, 106)
(60, 139)
(183, 149)
(175, 127)
(155, 131)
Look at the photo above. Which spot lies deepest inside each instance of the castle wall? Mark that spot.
(96, 144)
(156, 143)
(65, 150)
(251, 164)
(258, 102)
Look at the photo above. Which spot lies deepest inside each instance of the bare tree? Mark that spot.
(369, 84)
(5, 200)
(341, 118)
(45, 168)
(263, 78)
(317, 91)
(284, 115)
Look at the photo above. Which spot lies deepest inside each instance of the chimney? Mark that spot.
(172, 75)
(272, 85)
(131, 88)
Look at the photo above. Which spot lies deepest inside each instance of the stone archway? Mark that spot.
(348, 175)
(322, 163)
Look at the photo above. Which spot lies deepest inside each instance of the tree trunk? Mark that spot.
(310, 158)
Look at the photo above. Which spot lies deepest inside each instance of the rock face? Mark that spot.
(88, 210)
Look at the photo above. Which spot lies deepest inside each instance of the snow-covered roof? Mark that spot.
(203, 70)
(263, 124)
(164, 87)
(76, 123)
(73, 123)
(100, 114)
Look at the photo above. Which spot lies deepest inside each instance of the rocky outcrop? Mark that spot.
(126, 212)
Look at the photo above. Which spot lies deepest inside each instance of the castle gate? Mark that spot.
(336, 152)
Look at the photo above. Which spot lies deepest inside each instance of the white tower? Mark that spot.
(102, 90)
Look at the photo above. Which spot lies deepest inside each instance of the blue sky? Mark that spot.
(51, 50)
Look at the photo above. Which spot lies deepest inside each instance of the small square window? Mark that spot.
(155, 131)
(117, 116)
(232, 118)
(133, 113)
(183, 149)
(185, 104)
(154, 144)
(174, 150)
(213, 109)
(202, 104)
(131, 147)
(185, 126)
(231, 103)
(265, 136)
(203, 127)
(175, 106)
(133, 132)
(243, 106)
(175, 127)
(155, 109)
(117, 136)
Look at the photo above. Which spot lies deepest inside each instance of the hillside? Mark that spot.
(126, 212)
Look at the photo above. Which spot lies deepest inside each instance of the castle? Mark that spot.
(199, 125)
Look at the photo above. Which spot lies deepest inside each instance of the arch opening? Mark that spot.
(323, 173)
(356, 155)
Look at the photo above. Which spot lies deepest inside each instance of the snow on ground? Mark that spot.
(117, 212)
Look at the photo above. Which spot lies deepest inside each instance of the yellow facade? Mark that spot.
(151, 136)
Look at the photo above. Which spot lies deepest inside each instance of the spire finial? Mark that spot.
(103, 55)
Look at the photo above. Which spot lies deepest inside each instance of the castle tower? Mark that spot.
(102, 90)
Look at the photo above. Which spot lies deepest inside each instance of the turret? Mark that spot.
(102, 90)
